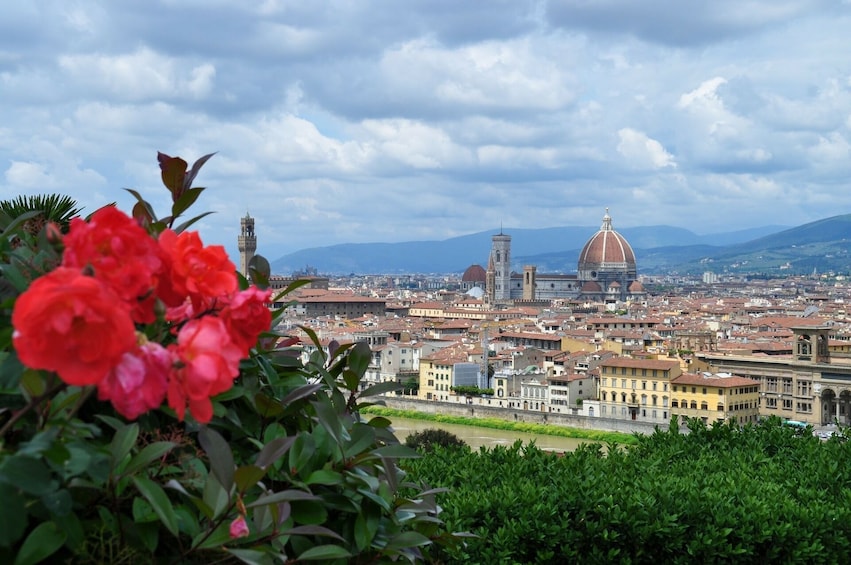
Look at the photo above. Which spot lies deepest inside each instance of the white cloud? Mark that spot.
(643, 152)
(141, 75)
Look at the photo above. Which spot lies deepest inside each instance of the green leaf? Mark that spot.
(366, 525)
(215, 498)
(251, 556)
(282, 496)
(247, 476)
(29, 474)
(381, 388)
(407, 539)
(313, 531)
(324, 477)
(34, 383)
(149, 453)
(398, 451)
(196, 167)
(42, 542)
(11, 370)
(13, 517)
(267, 406)
(220, 454)
(328, 417)
(301, 392)
(324, 553)
(273, 450)
(217, 539)
(159, 501)
(58, 502)
(362, 438)
(122, 442)
(309, 512)
(359, 358)
(182, 227)
(186, 200)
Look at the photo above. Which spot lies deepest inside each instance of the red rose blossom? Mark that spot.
(210, 362)
(72, 324)
(138, 383)
(247, 316)
(201, 273)
(120, 253)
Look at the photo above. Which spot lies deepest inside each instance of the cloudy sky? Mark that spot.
(389, 120)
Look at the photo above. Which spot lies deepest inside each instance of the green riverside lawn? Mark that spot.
(497, 424)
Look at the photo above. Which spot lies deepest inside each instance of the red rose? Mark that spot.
(201, 273)
(139, 382)
(210, 362)
(247, 316)
(72, 324)
(121, 254)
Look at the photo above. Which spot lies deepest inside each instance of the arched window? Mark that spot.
(675, 404)
(694, 404)
(654, 400)
(704, 406)
(604, 396)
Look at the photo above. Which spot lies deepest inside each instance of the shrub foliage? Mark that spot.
(718, 494)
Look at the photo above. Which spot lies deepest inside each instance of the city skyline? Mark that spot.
(385, 122)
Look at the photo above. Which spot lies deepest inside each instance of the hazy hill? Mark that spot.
(551, 249)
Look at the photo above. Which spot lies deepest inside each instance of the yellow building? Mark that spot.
(637, 389)
(715, 396)
(437, 372)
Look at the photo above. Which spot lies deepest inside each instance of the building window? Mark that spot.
(643, 385)
(653, 400)
(704, 406)
(720, 408)
(704, 390)
(804, 388)
(654, 385)
(644, 400)
(675, 388)
(633, 385)
(770, 402)
(694, 404)
(787, 404)
(665, 401)
(675, 404)
(623, 383)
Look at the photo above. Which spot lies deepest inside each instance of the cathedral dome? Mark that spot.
(607, 250)
(474, 273)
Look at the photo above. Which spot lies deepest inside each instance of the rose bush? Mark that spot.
(211, 437)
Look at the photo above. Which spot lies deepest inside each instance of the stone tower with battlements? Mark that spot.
(247, 242)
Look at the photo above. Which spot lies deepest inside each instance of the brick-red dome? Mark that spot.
(474, 273)
(607, 250)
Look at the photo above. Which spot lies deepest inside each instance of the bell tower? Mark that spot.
(247, 243)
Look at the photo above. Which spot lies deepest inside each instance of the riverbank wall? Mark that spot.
(482, 410)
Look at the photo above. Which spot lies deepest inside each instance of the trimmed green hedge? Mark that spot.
(722, 494)
(497, 424)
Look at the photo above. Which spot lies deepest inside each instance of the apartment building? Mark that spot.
(637, 389)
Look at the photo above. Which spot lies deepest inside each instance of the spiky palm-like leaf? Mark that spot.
(53, 207)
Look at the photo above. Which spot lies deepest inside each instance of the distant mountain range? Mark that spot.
(821, 245)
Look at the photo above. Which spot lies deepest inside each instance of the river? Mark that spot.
(477, 437)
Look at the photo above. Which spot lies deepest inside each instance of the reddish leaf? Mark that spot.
(173, 173)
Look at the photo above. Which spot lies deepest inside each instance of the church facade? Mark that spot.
(606, 272)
